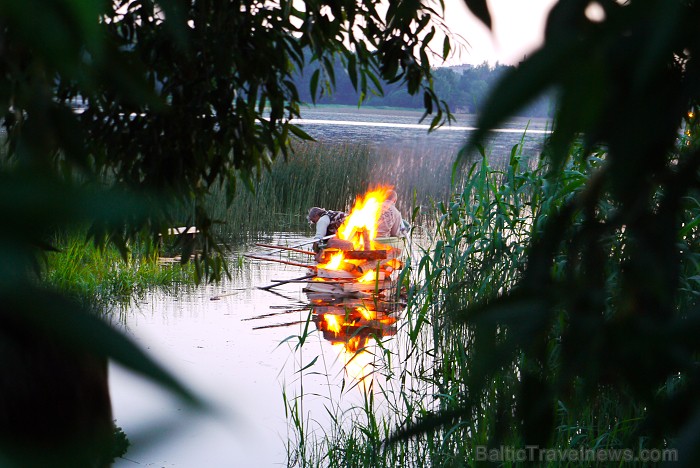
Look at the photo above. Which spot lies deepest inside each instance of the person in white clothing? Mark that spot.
(327, 223)
(390, 221)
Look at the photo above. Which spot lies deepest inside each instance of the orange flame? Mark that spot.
(332, 323)
(360, 227)
(366, 313)
(364, 216)
(334, 262)
(369, 277)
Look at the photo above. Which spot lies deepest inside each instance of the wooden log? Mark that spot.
(310, 241)
(274, 314)
(237, 291)
(345, 270)
(286, 262)
(325, 273)
(354, 255)
(328, 281)
(289, 324)
(393, 263)
(325, 288)
(347, 287)
(278, 283)
(282, 247)
(367, 287)
(365, 254)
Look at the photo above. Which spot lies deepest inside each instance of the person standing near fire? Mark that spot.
(390, 222)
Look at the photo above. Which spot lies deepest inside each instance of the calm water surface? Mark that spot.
(239, 352)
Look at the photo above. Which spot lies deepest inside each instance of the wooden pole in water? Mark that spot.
(281, 247)
(286, 262)
(274, 314)
(279, 325)
(265, 288)
(237, 291)
(307, 242)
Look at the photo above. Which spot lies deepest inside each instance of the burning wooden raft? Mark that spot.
(348, 272)
(345, 272)
(364, 265)
(358, 263)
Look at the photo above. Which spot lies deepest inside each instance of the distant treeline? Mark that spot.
(463, 87)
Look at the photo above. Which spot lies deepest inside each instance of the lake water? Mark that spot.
(400, 129)
(236, 345)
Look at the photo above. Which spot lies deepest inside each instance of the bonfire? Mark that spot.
(365, 264)
(369, 264)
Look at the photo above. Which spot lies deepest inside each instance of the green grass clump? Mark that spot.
(101, 276)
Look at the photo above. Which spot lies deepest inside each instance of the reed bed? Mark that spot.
(331, 175)
(476, 251)
(313, 175)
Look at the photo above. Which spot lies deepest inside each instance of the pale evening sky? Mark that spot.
(518, 27)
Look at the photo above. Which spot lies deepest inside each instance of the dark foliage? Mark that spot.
(175, 98)
(627, 83)
(464, 89)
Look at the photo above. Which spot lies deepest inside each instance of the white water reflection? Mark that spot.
(402, 129)
(207, 345)
(450, 128)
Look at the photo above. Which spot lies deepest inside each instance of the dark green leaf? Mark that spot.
(314, 84)
(480, 10)
(65, 321)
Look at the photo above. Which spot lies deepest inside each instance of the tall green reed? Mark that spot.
(483, 238)
(476, 252)
(412, 377)
(329, 175)
(313, 175)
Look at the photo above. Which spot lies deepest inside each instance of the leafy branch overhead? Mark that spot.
(180, 96)
(120, 113)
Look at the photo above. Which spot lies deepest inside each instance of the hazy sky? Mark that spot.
(518, 27)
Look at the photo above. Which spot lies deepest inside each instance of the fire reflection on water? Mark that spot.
(352, 326)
